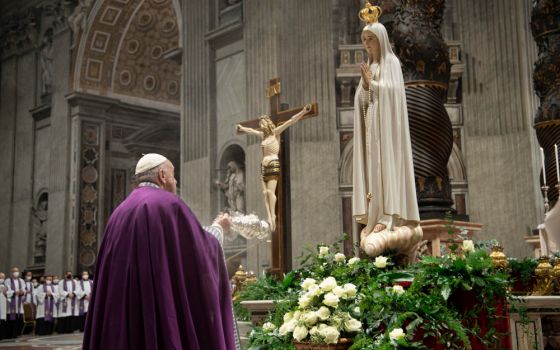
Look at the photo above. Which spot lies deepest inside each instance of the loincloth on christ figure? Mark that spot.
(271, 171)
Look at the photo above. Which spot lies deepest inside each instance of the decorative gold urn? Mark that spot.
(238, 280)
(499, 259)
(556, 276)
(544, 274)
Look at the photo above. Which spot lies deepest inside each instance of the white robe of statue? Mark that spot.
(384, 189)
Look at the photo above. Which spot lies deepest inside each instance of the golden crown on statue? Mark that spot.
(370, 13)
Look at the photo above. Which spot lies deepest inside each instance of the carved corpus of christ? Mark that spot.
(270, 165)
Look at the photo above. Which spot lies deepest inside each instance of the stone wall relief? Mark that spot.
(46, 62)
(233, 188)
(77, 20)
(232, 183)
(89, 195)
(39, 216)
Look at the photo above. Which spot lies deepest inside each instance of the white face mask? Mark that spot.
(15, 274)
(35, 284)
(1, 280)
(28, 278)
(85, 277)
(49, 281)
(55, 281)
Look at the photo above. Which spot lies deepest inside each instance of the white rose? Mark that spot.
(350, 290)
(304, 301)
(339, 291)
(287, 327)
(339, 257)
(357, 310)
(397, 334)
(323, 313)
(331, 300)
(308, 283)
(352, 325)
(380, 262)
(397, 289)
(297, 315)
(288, 316)
(353, 261)
(328, 284)
(314, 331)
(330, 335)
(310, 318)
(468, 246)
(315, 291)
(300, 333)
(268, 327)
(323, 251)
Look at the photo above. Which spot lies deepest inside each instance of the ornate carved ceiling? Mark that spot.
(122, 51)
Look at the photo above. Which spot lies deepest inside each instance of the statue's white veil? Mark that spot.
(397, 171)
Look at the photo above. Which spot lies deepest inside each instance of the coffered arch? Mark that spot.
(122, 53)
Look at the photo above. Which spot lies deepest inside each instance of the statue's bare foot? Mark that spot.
(379, 228)
(272, 223)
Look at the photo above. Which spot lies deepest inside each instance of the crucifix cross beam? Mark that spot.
(278, 115)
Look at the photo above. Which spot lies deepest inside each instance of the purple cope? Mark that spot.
(160, 282)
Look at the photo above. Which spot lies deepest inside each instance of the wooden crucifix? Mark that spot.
(275, 169)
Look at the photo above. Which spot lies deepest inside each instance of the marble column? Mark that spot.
(8, 105)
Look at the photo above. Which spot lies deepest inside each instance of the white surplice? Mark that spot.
(41, 297)
(64, 298)
(84, 293)
(19, 285)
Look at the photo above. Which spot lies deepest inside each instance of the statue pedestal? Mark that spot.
(436, 233)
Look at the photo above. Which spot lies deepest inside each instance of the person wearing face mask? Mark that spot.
(28, 288)
(3, 306)
(84, 295)
(16, 295)
(68, 307)
(55, 283)
(45, 299)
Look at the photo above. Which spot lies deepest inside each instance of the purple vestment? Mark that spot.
(160, 282)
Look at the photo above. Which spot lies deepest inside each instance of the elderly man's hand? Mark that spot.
(224, 220)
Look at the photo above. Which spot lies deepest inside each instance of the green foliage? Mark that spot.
(427, 309)
(522, 270)
(264, 288)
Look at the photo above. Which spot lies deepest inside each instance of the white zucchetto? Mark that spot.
(149, 161)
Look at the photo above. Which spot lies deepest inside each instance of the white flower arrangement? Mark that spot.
(339, 258)
(380, 262)
(398, 289)
(397, 334)
(323, 251)
(268, 327)
(321, 314)
(468, 246)
(353, 261)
